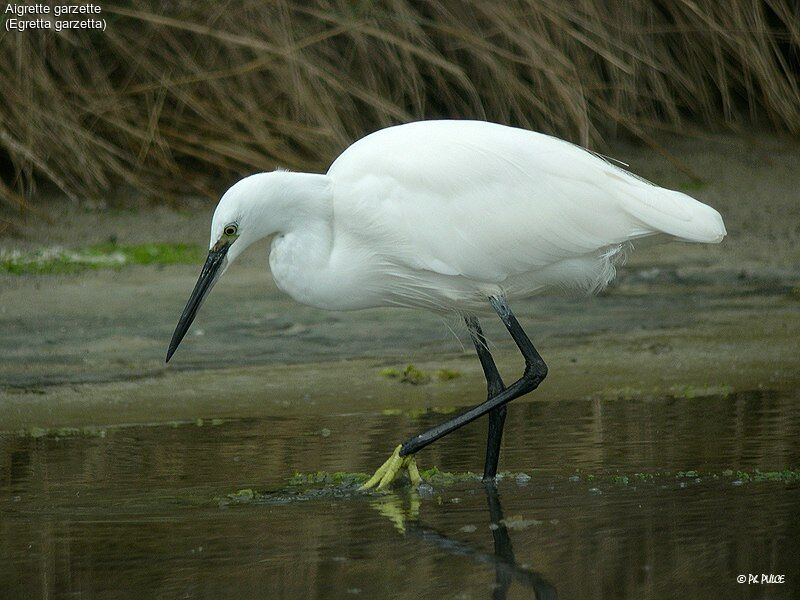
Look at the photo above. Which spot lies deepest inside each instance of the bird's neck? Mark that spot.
(305, 201)
(303, 242)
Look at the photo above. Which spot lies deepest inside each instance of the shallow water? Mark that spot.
(132, 511)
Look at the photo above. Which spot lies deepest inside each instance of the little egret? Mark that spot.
(450, 216)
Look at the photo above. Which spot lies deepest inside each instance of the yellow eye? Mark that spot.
(230, 230)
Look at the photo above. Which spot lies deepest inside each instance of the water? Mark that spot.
(131, 511)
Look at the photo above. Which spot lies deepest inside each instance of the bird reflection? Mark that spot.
(506, 569)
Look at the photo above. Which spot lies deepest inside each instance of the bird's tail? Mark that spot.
(676, 214)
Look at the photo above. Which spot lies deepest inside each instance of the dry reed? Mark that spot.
(173, 96)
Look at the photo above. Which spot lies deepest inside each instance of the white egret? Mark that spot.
(448, 216)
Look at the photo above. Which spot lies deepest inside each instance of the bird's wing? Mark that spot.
(487, 201)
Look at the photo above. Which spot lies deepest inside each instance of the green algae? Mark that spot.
(433, 476)
(152, 253)
(685, 474)
(758, 476)
(416, 376)
(62, 432)
(623, 393)
(700, 391)
(56, 261)
(633, 478)
(438, 478)
(683, 392)
(447, 374)
(692, 185)
(324, 478)
(343, 484)
(245, 495)
(391, 373)
(300, 487)
(754, 476)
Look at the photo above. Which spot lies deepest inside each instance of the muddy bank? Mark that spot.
(264, 356)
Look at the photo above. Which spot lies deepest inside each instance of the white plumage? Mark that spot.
(442, 214)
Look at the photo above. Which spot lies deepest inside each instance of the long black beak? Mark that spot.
(208, 277)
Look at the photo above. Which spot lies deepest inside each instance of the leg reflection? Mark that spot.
(506, 569)
(502, 543)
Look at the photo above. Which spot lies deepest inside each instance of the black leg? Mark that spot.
(495, 385)
(534, 374)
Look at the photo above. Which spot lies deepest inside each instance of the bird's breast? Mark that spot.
(307, 271)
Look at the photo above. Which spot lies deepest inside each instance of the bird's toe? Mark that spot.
(392, 469)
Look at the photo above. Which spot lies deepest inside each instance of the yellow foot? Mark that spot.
(391, 469)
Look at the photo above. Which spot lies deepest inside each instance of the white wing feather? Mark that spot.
(489, 202)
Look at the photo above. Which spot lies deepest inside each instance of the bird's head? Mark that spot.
(252, 209)
(245, 214)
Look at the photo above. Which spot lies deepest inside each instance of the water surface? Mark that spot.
(132, 511)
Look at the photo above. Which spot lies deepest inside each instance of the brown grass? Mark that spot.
(173, 96)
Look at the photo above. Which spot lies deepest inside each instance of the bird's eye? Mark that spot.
(230, 230)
